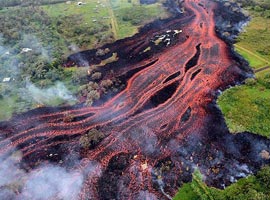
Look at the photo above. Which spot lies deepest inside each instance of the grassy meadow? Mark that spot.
(247, 107)
(109, 13)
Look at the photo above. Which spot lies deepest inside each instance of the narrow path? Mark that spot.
(259, 57)
(113, 20)
(261, 69)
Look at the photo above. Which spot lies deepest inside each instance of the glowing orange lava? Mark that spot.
(148, 125)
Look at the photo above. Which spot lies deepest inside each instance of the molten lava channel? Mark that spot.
(159, 128)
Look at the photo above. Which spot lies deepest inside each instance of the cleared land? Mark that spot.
(253, 43)
(247, 107)
(108, 13)
(255, 60)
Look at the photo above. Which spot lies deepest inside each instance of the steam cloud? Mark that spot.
(44, 96)
(146, 195)
(52, 181)
(45, 182)
(28, 93)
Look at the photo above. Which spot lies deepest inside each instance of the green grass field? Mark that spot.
(255, 60)
(247, 107)
(194, 190)
(254, 187)
(7, 105)
(255, 39)
(109, 13)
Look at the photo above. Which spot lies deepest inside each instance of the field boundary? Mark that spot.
(252, 53)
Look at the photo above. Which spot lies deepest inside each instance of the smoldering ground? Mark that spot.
(47, 181)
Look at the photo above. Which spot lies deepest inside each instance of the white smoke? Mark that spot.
(146, 139)
(8, 61)
(52, 182)
(146, 195)
(45, 96)
(45, 182)
(9, 172)
(32, 42)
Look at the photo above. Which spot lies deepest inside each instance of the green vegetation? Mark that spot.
(36, 36)
(10, 3)
(195, 190)
(255, 187)
(247, 107)
(255, 60)
(82, 27)
(252, 43)
(91, 139)
(10, 103)
(132, 17)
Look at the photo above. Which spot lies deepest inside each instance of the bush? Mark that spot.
(80, 76)
(250, 81)
(102, 52)
(91, 96)
(85, 89)
(266, 14)
(68, 118)
(91, 139)
(106, 83)
(265, 81)
(263, 177)
(258, 8)
(96, 76)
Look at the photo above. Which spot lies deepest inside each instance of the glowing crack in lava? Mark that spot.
(157, 129)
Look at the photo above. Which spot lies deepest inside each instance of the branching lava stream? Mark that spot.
(156, 130)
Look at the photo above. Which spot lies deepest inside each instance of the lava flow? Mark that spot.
(157, 130)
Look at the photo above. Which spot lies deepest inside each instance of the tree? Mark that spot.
(263, 177)
(91, 96)
(91, 139)
(96, 76)
(80, 76)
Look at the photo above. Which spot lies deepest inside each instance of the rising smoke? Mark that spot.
(146, 195)
(45, 96)
(19, 86)
(45, 182)
(52, 181)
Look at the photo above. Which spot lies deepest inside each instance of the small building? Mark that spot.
(6, 79)
(7, 53)
(25, 50)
